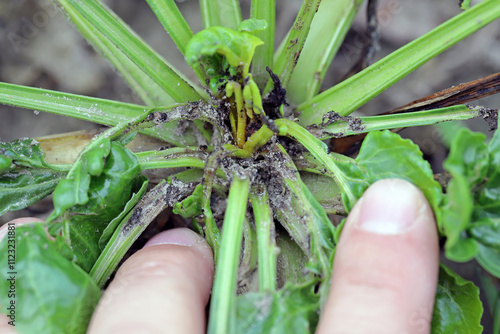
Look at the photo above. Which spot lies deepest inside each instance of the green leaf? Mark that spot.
(354, 92)
(52, 294)
(172, 20)
(71, 191)
(5, 163)
(19, 188)
(325, 191)
(293, 309)
(26, 152)
(142, 185)
(468, 156)
(488, 201)
(191, 206)
(163, 195)
(487, 232)
(465, 4)
(291, 261)
(471, 211)
(487, 235)
(386, 155)
(108, 195)
(252, 26)
(237, 47)
(457, 308)
(454, 219)
(489, 259)
(94, 160)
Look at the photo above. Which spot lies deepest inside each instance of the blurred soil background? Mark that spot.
(39, 47)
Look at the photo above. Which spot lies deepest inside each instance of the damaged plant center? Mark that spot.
(253, 157)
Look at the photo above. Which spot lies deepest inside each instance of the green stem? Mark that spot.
(289, 55)
(157, 68)
(151, 155)
(259, 138)
(266, 243)
(328, 30)
(174, 23)
(356, 91)
(223, 13)
(395, 121)
(212, 231)
(318, 149)
(263, 10)
(149, 91)
(172, 20)
(173, 163)
(101, 111)
(223, 303)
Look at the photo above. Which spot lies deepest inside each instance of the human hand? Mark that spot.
(384, 278)
(386, 264)
(162, 288)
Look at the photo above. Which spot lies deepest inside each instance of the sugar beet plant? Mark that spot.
(244, 162)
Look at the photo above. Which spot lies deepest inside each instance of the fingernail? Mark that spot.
(177, 236)
(390, 207)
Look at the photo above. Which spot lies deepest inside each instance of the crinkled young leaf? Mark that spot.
(293, 309)
(468, 156)
(94, 160)
(488, 201)
(471, 210)
(24, 152)
(192, 205)
(20, 188)
(252, 25)
(237, 47)
(487, 235)
(487, 232)
(53, 295)
(457, 308)
(71, 191)
(465, 4)
(108, 194)
(455, 217)
(489, 259)
(5, 163)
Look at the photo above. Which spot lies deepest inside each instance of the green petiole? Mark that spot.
(223, 303)
(266, 242)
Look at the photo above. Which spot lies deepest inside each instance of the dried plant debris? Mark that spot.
(489, 115)
(276, 98)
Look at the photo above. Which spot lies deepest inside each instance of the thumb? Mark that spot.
(163, 288)
(386, 264)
